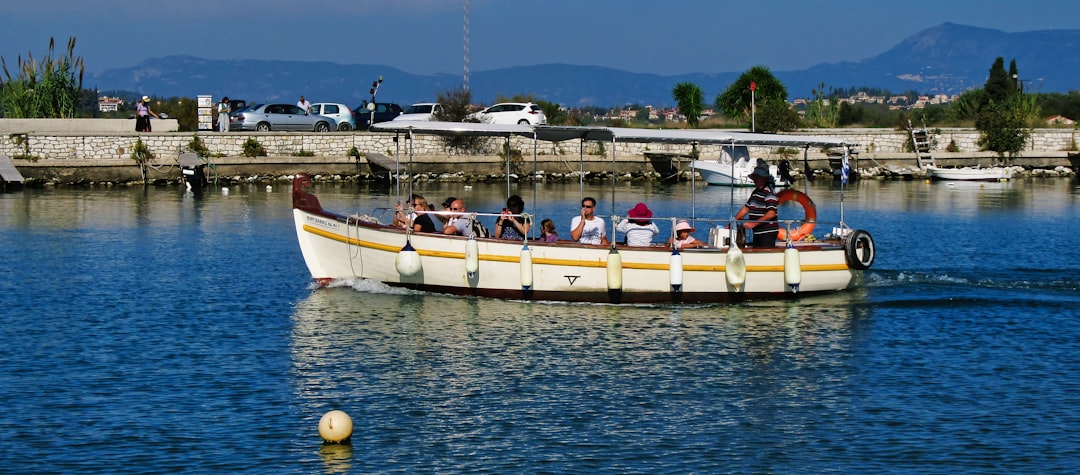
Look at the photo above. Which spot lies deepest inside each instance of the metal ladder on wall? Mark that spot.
(920, 140)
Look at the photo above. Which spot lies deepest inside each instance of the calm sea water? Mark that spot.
(146, 331)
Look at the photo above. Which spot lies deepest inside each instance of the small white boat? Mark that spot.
(342, 246)
(970, 174)
(732, 168)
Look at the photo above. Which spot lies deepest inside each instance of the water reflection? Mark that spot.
(336, 458)
(419, 368)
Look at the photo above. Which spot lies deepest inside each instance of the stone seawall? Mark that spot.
(41, 155)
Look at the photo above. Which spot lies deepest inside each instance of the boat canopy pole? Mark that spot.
(397, 165)
(507, 151)
(614, 176)
(581, 169)
(731, 189)
(410, 136)
(532, 224)
(693, 186)
(844, 170)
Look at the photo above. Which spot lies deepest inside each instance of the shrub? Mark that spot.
(197, 146)
(252, 148)
(141, 153)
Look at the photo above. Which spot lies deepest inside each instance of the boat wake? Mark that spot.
(372, 287)
(1022, 288)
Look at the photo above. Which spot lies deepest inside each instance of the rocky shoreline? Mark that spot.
(870, 173)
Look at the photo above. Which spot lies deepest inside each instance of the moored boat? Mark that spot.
(732, 168)
(970, 174)
(339, 246)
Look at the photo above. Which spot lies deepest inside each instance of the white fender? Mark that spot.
(735, 267)
(792, 268)
(675, 268)
(407, 261)
(526, 267)
(614, 270)
(472, 256)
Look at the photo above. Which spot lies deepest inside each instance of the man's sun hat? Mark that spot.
(146, 98)
(761, 170)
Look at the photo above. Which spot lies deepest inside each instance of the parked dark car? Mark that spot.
(384, 111)
(234, 105)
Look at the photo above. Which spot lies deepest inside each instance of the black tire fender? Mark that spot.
(859, 250)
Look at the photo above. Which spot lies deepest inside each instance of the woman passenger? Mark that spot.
(421, 221)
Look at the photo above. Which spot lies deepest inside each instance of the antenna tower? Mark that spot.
(466, 76)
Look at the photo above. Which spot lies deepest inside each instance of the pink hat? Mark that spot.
(640, 211)
(682, 225)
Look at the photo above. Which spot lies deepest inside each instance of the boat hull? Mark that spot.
(339, 247)
(970, 174)
(723, 174)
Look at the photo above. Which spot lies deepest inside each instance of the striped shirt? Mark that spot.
(761, 201)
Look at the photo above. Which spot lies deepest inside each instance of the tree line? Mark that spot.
(1002, 109)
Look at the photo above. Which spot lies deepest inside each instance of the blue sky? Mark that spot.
(425, 36)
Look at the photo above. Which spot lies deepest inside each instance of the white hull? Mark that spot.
(970, 174)
(722, 174)
(344, 247)
(338, 247)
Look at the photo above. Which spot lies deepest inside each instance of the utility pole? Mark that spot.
(371, 105)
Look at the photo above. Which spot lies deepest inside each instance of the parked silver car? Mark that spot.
(267, 117)
(421, 111)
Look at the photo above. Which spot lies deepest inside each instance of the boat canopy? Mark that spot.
(549, 133)
(453, 128)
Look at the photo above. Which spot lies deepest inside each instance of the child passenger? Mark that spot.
(548, 232)
(683, 238)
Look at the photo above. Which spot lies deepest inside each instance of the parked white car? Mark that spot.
(341, 113)
(421, 111)
(525, 113)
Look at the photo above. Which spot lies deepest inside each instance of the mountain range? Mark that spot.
(946, 59)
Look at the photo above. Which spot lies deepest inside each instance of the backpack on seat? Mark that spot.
(479, 230)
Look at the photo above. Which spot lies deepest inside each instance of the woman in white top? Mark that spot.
(638, 228)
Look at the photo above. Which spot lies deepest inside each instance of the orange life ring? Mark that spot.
(808, 208)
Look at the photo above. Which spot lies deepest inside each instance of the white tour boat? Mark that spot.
(343, 246)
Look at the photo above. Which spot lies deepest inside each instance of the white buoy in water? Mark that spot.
(269, 188)
(472, 256)
(735, 267)
(335, 426)
(614, 270)
(407, 262)
(526, 267)
(792, 268)
(224, 190)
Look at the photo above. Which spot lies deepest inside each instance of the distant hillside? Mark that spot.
(945, 59)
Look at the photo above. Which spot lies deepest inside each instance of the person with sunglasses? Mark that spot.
(588, 228)
(421, 221)
(463, 224)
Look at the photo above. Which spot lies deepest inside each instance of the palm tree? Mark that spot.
(691, 101)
